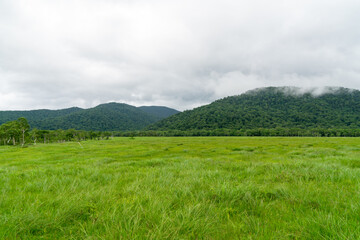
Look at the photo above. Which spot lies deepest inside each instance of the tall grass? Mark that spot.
(182, 188)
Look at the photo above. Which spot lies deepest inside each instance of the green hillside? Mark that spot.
(272, 107)
(35, 115)
(105, 117)
(159, 111)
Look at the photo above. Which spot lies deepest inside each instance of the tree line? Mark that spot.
(18, 132)
(264, 132)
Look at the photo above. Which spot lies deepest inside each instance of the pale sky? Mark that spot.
(175, 53)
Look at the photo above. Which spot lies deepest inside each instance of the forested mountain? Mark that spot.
(159, 111)
(266, 108)
(105, 117)
(272, 107)
(35, 115)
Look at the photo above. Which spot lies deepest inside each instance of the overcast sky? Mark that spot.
(177, 53)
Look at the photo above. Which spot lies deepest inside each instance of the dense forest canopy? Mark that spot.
(105, 117)
(159, 111)
(272, 107)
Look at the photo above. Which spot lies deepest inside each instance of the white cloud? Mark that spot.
(56, 54)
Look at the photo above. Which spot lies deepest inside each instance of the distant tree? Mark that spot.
(24, 127)
(34, 135)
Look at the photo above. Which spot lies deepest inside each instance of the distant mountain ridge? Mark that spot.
(104, 117)
(272, 107)
(159, 111)
(267, 108)
(34, 115)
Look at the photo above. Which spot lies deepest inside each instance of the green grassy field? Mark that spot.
(182, 188)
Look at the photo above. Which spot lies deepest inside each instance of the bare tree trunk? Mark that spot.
(23, 138)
